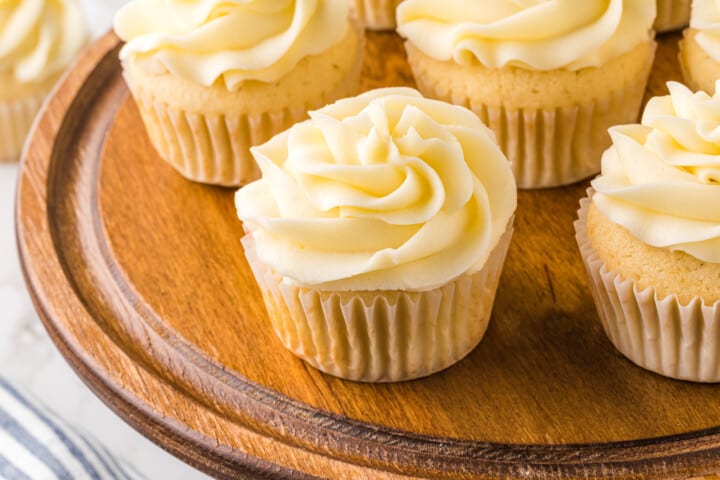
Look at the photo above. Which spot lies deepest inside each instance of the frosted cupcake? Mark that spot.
(378, 232)
(672, 15)
(212, 78)
(650, 237)
(700, 47)
(376, 14)
(38, 41)
(549, 93)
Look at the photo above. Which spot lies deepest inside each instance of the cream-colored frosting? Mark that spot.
(533, 34)
(204, 41)
(39, 38)
(661, 180)
(705, 17)
(383, 191)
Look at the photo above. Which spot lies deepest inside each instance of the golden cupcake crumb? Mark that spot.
(699, 69)
(520, 88)
(668, 272)
(298, 89)
(672, 15)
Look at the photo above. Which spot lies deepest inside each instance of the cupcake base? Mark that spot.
(672, 15)
(375, 14)
(206, 133)
(551, 125)
(699, 69)
(212, 149)
(675, 339)
(16, 118)
(19, 104)
(381, 336)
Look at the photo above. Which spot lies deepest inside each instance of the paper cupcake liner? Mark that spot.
(376, 14)
(381, 336)
(16, 118)
(212, 149)
(672, 15)
(553, 146)
(215, 148)
(659, 334)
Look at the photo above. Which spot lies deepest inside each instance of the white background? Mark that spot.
(29, 359)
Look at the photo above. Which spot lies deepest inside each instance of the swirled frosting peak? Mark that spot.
(205, 41)
(387, 190)
(534, 34)
(705, 18)
(39, 38)
(661, 180)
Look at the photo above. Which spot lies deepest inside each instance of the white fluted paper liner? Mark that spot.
(555, 146)
(672, 15)
(381, 336)
(659, 334)
(16, 118)
(212, 149)
(375, 14)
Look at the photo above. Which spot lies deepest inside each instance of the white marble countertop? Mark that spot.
(29, 358)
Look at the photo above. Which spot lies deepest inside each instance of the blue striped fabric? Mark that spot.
(35, 444)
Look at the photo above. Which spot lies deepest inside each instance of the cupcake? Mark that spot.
(375, 14)
(672, 15)
(700, 47)
(650, 237)
(549, 93)
(211, 78)
(38, 41)
(378, 232)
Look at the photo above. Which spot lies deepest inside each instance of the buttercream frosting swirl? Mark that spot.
(387, 190)
(204, 41)
(661, 180)
(533, 34)
(39, 38)
(705, 17)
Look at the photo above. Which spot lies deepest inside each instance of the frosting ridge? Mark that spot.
(387, 190)
(39, 38)
(204, 41)
(533, 34)
(661, 179)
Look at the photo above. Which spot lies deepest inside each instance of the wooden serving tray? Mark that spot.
(140, 278)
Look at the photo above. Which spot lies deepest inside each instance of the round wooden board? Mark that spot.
(140, 278)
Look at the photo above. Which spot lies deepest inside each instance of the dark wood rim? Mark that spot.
(274, 414)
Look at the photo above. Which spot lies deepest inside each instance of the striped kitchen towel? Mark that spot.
(36, 444)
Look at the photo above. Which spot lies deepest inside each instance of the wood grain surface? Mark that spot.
(140, 278)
